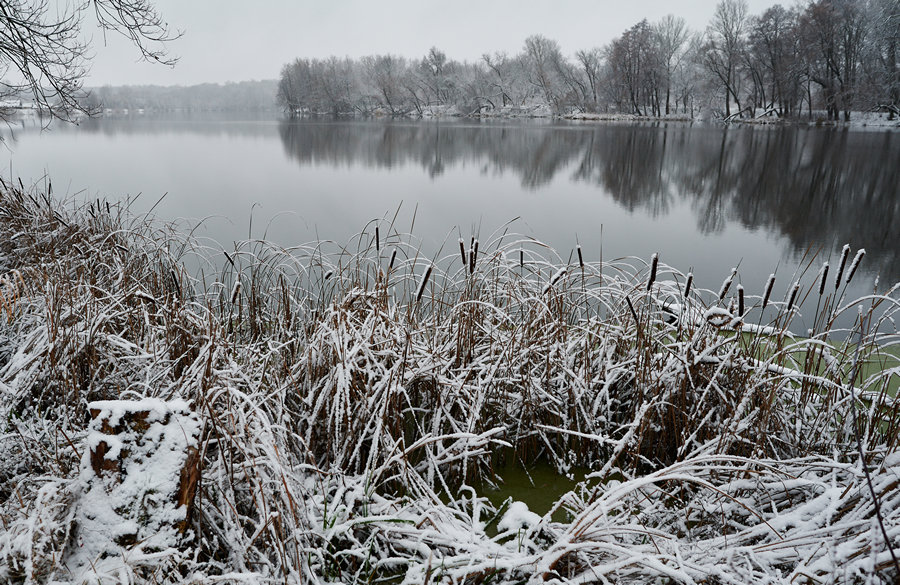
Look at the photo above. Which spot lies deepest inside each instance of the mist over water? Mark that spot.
(706, 198)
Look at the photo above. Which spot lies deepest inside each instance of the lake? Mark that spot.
(707, 198)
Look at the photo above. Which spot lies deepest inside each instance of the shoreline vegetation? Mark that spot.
(870, 119)
(349, 408)
(822, 59)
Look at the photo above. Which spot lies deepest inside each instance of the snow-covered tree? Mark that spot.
(44, 53)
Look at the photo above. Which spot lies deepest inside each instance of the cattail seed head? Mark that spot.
(175, 283)
(740, 291)
(770, 283)
(688, 283)
(855, 264)
(377, 240)
(235, 291)
(394, 257)
(845, 251)
(823, 276)
(726, 284)
(793, 297)
(462, 252)
(424, 282)
(521, 258)
(654, 263)
(580, 258)
(555, 278)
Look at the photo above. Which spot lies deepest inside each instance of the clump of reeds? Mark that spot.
(354, 399)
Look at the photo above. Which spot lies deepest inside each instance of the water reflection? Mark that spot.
(814, 187)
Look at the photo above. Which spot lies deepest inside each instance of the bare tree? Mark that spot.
(634, 67)
(437, 73)
(880, 62)
(724, 47)
(671, 38)
(543, 55)
(835, 31)
(43, 52)
(591, 63)
(507, 78)
(386, 75)
(772, 58)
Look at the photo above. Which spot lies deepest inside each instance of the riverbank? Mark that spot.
(858, 120)
(345, 404)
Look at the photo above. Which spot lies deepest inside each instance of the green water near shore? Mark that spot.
(539, 486)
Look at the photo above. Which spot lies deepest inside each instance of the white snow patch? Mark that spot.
(517, 516)
(129, 516)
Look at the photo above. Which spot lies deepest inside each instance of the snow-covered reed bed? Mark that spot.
(354, 402)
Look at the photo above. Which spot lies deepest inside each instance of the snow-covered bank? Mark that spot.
(347, 403)
(858, 120)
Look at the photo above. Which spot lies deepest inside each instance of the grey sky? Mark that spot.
(231, 40)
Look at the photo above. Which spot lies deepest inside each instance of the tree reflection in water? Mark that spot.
(812, 186)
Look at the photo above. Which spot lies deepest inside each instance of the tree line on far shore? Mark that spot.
(830, 57)
(242, 96)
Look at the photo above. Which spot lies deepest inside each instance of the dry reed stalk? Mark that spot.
(342, 426)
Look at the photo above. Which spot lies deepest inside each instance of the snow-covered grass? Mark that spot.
(349, 399)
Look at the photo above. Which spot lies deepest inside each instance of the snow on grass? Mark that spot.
(346, 410)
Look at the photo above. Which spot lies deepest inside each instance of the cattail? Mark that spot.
(175, 282)
(424, 282)
(793, 297)
(768, 292)
(726, 284)
(377, 240)
(394, 257)
(740, 290)
(845, 251)
(855, 264)
(473, 256)
(823, 276)
(654, 263)
(555, 278)
(328, 274)
(521, 258)
(688, 283)
(633, 313)
(235, 291)
(462, 251)
(580, 258)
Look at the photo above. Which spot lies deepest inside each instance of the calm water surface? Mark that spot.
(706, 198)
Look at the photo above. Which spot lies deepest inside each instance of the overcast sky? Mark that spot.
(235, 40)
